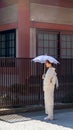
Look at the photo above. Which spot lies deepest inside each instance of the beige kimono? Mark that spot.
(50, 80)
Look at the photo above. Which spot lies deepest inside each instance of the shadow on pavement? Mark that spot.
(62, 118)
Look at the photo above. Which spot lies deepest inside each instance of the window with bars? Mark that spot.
(7, 48)
(8, 43)
(67, 46)
(47, 43)
(55, 44)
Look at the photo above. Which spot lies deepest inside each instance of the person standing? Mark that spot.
(49, 82)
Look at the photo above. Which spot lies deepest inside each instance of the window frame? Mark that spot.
(8, 61)
(6, 32)
(48, 31)
(59, 44)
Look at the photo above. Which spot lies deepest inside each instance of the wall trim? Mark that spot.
(42, 25)
(8, 26)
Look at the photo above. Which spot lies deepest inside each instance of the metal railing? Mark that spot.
(21, 83)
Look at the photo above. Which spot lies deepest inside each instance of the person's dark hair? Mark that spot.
(50, 63)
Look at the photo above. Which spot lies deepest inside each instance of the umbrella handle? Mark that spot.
(44, 69)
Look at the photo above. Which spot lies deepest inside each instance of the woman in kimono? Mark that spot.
(49, 82)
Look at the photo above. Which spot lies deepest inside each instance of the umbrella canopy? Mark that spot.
(43, 58)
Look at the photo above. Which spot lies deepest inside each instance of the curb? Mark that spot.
(33, 108)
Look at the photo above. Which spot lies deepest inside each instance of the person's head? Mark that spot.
(48, 64)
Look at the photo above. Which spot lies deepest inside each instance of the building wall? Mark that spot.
(51, 14)
(24, 29)
(9, 14)
(61, 3)
(17, 16)
(48, 17)
(32, 42)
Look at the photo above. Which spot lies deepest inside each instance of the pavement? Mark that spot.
(63, 120)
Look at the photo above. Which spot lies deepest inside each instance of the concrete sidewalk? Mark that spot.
(35, 121)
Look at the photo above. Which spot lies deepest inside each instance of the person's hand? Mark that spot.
(43, 76)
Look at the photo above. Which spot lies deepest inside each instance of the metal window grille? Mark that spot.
(47, 43)
(57, 44)
(8, 43)
(8, 48)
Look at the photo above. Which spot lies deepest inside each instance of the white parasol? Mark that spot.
(43, 58)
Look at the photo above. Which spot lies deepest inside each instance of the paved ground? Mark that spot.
(34, 121)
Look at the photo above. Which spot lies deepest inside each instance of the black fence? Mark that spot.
(21, 83)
